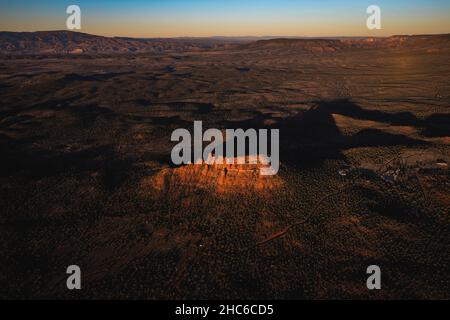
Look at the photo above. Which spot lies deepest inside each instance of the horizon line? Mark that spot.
(226, 36)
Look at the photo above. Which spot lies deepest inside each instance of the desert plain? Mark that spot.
(87, 179)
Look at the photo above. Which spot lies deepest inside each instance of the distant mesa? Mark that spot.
(430, 43)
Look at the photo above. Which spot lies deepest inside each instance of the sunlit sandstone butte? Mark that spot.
(219, 178)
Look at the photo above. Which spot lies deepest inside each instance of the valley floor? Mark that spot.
(86, 178)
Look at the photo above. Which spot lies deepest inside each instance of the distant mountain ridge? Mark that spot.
(428, 42)
(61, 42)
(68, 42)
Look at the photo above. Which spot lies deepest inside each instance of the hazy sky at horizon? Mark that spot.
(168, 18)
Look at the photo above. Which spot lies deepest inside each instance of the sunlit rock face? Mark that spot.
(217, 178)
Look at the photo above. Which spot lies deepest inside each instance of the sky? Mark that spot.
(197, 18)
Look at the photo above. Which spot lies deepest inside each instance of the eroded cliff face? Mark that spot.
(218, 178)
